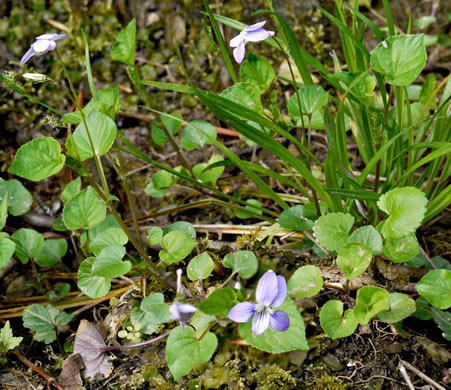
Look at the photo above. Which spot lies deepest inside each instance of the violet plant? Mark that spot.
(327, 216)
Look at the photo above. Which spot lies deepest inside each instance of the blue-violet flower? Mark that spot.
(43, 44)
(254, 33)
(182, 312)
(271, 293)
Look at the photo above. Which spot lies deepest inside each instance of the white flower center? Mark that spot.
(262, 308)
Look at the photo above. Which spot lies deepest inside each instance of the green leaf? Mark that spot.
(124, 48)
(369, 236)
(3, 211)
(443, 320)
(19, 198)
(424, 309)
(295, 114)
(163, 179)
(176, 246)
(401, 306)
(278, 342)
(154, 235)
(354, 258)
(402, 61)
(294, 219)
(424, 21)
(183, 226)
(245, 94)
(45, 321)
(173, 125)
(92, 285)
(219, 302)
(313, 98)
(72, 189)
(156, 310)
(141, 322)
(29, 244)
(109, 237)
(7, 340)
(334, 323)
(109, 262)
(84, 210)
(200, 267)
(363, 89)
(210, 175)
(401, 249)
(435, 286)
(370, 301)
(184, 351)
(38, 159)
(191, 138)
(52, 252)
(201, 322)
(159, 137)
(7, 248)
(103, 133)
(153, 192)
(258, 71)
(406, 208)
(332, 230)
(107, 223)
(305, 282)
(244, 263)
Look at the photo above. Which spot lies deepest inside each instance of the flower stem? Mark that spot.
(130, 346)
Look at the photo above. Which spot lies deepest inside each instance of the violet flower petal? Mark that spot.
(30, 53)
(282, 292)
(41, 46)
(279, 321)
(238, 52)
(234, 42)
(182, 312)
(260, 322)
(242, 312)
(267, 288)
(258, 35)
(255, 26)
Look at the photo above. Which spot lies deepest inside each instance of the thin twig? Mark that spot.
(50, 380)
(403, 371)
(317, 243)
(421, 375)
(426, 256)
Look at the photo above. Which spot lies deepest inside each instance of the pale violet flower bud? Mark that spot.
(271, 293)
(43, 44)
(35, 77)
(182, 312)
(179, 281)
(237, 285)
(254, 33)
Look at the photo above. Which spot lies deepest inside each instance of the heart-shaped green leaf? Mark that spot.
(242, 262)
(184, 351)
(334, 323)
(305, 282)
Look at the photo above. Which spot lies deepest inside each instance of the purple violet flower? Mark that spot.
(182, 312)
(271, 293)
(43, 44)
(254, 33)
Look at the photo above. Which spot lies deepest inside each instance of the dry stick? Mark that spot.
(317, 243)
(426, 256)
(421, 375)
(47, 377)
(403, 371)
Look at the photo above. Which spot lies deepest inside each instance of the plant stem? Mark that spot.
(130, 346)
(83, 117)
(130, 197)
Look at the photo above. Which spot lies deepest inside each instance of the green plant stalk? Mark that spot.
(128, 193)
(399, 96)
(297, 96)
(390, 24)
(141, 251)
(83, 117)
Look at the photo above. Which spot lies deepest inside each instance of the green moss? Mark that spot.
(272, 377)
